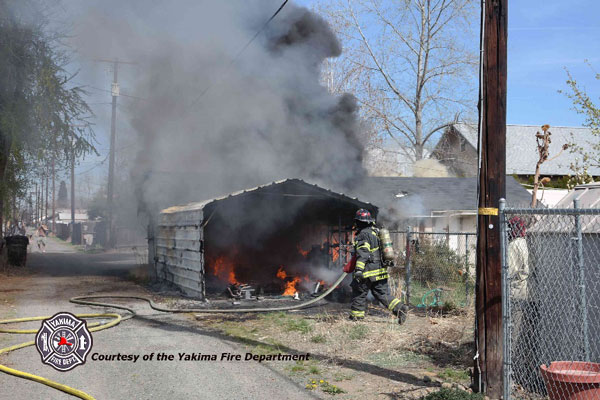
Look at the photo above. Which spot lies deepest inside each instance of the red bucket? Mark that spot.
(572, 380)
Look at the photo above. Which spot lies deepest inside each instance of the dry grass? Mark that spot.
(346, 352)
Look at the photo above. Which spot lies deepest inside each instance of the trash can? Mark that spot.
(16, 250)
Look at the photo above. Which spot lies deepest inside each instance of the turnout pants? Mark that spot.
(360, 290)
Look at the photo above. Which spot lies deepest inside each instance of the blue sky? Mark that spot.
(545, 37)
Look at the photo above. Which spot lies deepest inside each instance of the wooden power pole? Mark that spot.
(492, 187)
(110, 229)
(53, 195)
(47, 177)
(73, 193)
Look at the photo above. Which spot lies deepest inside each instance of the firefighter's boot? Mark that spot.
(356, 315)
(402, 314)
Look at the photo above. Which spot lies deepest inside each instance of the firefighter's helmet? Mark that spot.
(363, 215)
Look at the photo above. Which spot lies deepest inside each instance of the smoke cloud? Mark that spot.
(210, 123)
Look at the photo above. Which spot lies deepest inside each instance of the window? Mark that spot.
(463, 145)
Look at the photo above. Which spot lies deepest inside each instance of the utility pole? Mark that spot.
(110, 229)
(47, 177)
(41, 203)
(53, 196)
(36, 203)
(111, 162)
(492, 181)
(72, 188)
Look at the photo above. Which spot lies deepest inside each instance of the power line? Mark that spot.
(239, 53)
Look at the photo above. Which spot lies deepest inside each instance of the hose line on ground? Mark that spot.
(117, 318)
(154, 306)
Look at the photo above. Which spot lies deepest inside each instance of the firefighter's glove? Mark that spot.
(358, 275)
(390, 264)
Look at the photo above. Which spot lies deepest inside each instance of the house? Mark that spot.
(443, 209)
(457, 149)
(433, 204)
(83, 226)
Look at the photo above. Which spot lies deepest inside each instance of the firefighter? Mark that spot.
(370, 273)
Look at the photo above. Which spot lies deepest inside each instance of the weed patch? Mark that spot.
(325, 386)
(454, 375)
(358, 332)
(320, 338)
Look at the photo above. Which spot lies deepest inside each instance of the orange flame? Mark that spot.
(281, 274)
(335, 251)
(336, 254)
(290, 287)
(302, 251)
(224, 269)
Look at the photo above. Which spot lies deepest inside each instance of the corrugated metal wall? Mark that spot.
(178, 254)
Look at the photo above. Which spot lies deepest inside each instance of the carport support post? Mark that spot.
(407, 264)
(582, 294)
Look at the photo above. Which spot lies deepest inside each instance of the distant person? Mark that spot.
(41, 238)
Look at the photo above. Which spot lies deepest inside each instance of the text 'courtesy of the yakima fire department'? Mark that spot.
(161, 356)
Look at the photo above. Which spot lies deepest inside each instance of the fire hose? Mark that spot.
(117, 318)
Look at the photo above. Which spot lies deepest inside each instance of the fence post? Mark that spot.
(407, 264)
(506, 345)
(582, 294)
(467, 273)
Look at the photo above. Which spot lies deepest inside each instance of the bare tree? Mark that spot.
(587, 150)
(408, 64)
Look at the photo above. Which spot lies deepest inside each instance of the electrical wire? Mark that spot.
(239, 53)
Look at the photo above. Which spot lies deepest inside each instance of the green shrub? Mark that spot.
(453, 394)
(436, 263)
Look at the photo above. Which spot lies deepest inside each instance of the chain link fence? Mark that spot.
(551, 303)
(435, 269)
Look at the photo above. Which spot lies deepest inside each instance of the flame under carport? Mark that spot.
(278, 238)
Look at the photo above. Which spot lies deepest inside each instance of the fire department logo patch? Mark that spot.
(63, 341)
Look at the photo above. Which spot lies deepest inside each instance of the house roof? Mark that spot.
(521, 148)
(294, 187)
(421, 196)
(67, 216)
